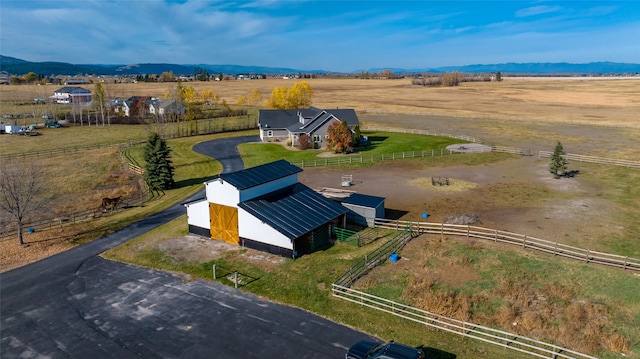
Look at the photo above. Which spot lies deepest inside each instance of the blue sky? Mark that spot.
(336, 36)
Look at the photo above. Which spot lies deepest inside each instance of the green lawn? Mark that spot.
(381, 143)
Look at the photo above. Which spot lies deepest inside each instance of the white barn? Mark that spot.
(267, 209)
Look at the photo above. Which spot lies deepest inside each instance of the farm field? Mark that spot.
(598, 209)
(595, 115)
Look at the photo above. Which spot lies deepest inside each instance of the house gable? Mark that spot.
(274, 123)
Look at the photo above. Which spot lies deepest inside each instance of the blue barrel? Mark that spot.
(393, 257)
(31, 230)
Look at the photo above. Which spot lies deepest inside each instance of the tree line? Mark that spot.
(454, 78)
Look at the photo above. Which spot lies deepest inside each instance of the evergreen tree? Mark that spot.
(558, 163)
(357, 135)
(158, 171)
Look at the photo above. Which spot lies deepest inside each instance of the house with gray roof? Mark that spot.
(265, 208)
(163, 108)
(283, 125)
(71, 94)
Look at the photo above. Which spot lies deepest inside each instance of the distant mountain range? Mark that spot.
(20, 67)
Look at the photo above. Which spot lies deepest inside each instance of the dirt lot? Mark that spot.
(545, 208)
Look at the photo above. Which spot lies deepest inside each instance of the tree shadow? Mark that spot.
(569, 174)
(371, 143)
(433, 353)
(191, 182)
(374, 139)
(394, 214)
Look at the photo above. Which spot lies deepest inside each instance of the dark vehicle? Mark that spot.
(52, 124)
(366, 349)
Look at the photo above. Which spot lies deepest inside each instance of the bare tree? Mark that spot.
(21, 191)
(99, 100)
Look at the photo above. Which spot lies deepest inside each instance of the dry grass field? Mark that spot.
(614, 102)
(521, 112)
(596, 210)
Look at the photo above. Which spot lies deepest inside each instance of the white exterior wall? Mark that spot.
(222, 193)
(226, 194)
(256, 191)
(198, 214)
(252, 228)
(12, 129)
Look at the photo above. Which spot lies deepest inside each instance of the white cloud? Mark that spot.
(537, 10)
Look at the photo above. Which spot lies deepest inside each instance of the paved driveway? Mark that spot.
(78, 305)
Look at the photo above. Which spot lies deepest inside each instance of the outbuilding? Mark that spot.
(266, 208)
(364, 209)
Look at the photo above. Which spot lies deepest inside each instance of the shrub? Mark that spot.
(304, 142)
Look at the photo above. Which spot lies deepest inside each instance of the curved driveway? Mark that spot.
(79, 305)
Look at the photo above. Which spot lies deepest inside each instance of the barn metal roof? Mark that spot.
(294, 210)
(364, 200)
(258, 175)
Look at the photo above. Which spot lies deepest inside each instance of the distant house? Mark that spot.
(4, 78)
(165, 107)
(267, 209)
(283, 125)
(137, 106)
(71, 94)
(76, 81)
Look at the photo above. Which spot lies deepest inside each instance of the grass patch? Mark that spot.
(255, 154)
(305, 283)
(559, 301)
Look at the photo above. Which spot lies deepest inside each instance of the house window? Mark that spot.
(317, 138)
(270, 133)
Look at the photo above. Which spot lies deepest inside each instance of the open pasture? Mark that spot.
(596, 116)
(610, 102)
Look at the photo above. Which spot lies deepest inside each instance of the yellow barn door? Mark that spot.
(224, 223)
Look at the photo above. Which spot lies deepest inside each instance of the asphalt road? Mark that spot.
(79, 305)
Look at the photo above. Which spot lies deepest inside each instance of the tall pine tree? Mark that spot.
(158, 171)
(558, 163)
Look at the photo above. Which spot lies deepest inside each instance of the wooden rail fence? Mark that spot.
(336, 161)
(488, 335)
(522, 240)
(425, 132)
(341, 288)
(593, 159)
(9, 229)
